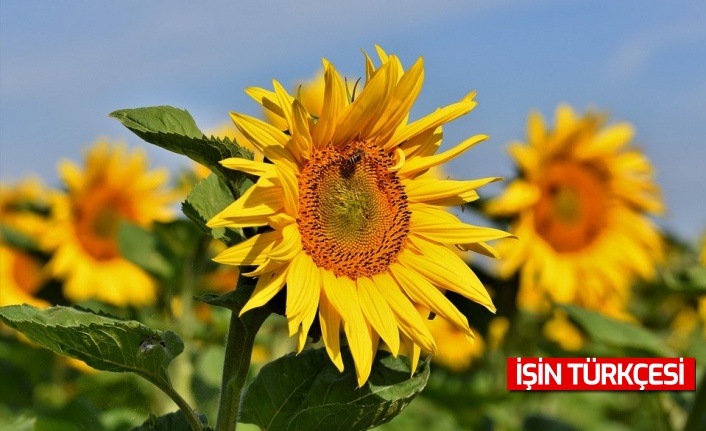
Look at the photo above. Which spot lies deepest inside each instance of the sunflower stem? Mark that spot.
(239, 346)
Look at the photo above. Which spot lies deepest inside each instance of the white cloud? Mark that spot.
(635, 53)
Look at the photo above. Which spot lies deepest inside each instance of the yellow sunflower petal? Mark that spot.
(402, 99)
(481, 248)
(330, 329)
(303, 292)
(260, 133)
(384, 58)
(423, 292)
(447, 271)
(526, 157)
(607, 141)
(517, 196)
(268, 285)
(249, 166)
(424, 144)
(414, 352)
(419, 164)
(357, 120)
(369, 67)
(71, 174)
(301, 134)
(252, 251)
(290, 246)
(342, 294)
(432, 121)
(378, 313)
(409, 320)
(536, 130)
(268, 99)
(266, 267)
(257, 203)
(290, 188)
(285, 101)
(334, 102)
(443, 192)
(451, 232)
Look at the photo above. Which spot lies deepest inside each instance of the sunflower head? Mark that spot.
(580, 210)
(348, 220)
(114, 186)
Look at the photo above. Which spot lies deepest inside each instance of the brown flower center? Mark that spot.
(570, 213)
(353, 214)
(98, 218)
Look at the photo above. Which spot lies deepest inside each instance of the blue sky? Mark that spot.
(65, 65)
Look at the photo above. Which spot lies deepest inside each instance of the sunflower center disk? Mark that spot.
(570, 213)
(99, 220)
(353, 214)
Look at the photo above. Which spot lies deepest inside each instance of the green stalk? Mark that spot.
(698, 409)
(183, 369)
(239, 346)
(190, 414)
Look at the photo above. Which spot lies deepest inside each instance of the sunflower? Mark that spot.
(114, 187)
(580, 211)
(346, 222)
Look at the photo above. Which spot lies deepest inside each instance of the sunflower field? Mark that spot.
(316, 268)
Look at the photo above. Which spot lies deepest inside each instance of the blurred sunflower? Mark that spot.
(456, 349)
(115, 186)
(579, 209)
(23, 210)
(355, 234)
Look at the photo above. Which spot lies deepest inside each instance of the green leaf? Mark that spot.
(103, 342)
(209, 197)
(175, 130)
(175, 421)
(616, 334)
(141, 247)
(164, 119)
(424, 414)
(307, 392)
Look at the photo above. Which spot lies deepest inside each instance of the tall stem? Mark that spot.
(239, 345)
(183, 368)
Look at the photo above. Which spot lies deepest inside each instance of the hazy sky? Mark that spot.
(65, 65)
